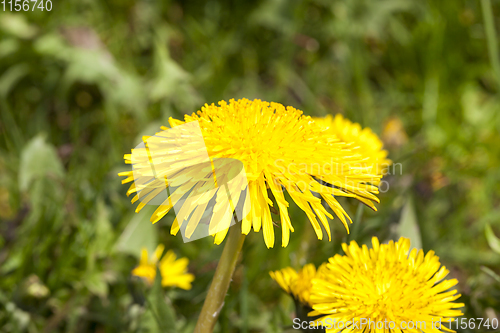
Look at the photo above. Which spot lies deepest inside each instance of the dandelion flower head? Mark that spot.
(358, 139)
(173, 271)
(386, 282)
(297, 284)
(282, 151)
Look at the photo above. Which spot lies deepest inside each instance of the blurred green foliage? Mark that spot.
(81, 84)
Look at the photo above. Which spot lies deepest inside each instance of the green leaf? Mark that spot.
(96, 284)
(17, 25)
(139, 233)
(161, 307)
(491, 273)
(8, 47)
(104, 230)
(11, 76)
(103, 237)
(408, 225)
(38, 159)
(493, 240)
(169, 75)
(477, 110)
(14, 261)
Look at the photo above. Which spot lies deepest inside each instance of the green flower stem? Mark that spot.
(220, 284)
(491, 37)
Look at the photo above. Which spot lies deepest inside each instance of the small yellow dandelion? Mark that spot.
(280, 150)
(359, 140)
(147, 265)
(387, 284)
(297, 284)
(173, 272)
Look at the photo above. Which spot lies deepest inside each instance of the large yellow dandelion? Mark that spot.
(386, 285)
(358, 139)
(281, 150)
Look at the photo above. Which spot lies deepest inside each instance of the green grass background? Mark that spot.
(80, 85)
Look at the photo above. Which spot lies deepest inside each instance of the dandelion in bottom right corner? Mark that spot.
(388, 286)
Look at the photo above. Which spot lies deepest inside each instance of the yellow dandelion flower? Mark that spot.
(173, 272)
(385, 284)
(147, 265)
(280, 149)
(285, 278)
(358, 139)
(297, 284)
